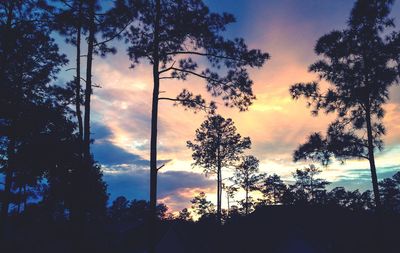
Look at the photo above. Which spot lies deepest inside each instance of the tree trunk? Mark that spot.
(88, 90)
(25, 198)
(78, 211)
(8, 180)
(371, 160)
(19, 200)
(78, 78)
(219, 193)
(228, 201)
(8, 170)
(219, 181)
(7, 44)
(247, 200)
(153, 138)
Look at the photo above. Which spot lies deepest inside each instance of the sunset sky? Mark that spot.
(288, 31)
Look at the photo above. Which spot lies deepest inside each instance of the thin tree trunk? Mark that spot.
(8, 180)
(228, 201)
(371, 160)
(11, 146)
(6, 42)
(88, 90)
(247, 200)
(19, 200)
(78, 215)
(312, 189)
(219, 181)
(153, 138)
(25, 198)
(78, 78)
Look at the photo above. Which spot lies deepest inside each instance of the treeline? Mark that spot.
(307, 191)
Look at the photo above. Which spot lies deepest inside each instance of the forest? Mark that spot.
(54, 196)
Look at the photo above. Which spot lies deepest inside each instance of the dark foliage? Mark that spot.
(217, 146)
(359, 63)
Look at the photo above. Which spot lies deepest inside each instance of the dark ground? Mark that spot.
(275, 229)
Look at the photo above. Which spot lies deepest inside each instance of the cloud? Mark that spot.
(100, 131)
(173, 186)
(361, 179)
(107, 153)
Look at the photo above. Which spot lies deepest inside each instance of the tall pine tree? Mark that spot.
(169, 34)
(216, 146)
(357, 65)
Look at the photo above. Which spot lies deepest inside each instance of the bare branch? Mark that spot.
(167, 77)
(205, 54)
(114, 36)
(197, 74)
(167, 69)
(66, 4)
(159, 168)
(184, 100)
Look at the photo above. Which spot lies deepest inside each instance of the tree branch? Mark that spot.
(167, 77)
(184, 100)
(114, 36)
(205, 54)
(66, 4)
(167, 69)
(159, 168)
(198, 75)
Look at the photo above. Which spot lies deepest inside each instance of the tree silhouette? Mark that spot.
(356, 64)
(353, 200)
(307, 187)
(390, 193)
(230, 191)
(217, 145)
(273, 189)
(338, 196)
(247, 177)
(74, 19)
(29, 62)
(184, 215)
(201, 206)
(70, 21)
(170, 32)
(119, 209)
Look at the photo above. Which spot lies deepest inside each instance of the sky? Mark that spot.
(276, 124)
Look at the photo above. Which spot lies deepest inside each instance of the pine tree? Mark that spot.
(29, 62)
(273, 189)
(247, 177)
(170, 34)
(217, 145)
(201, 205)
(357, 65)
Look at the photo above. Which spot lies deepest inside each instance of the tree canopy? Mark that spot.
(356, 63)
